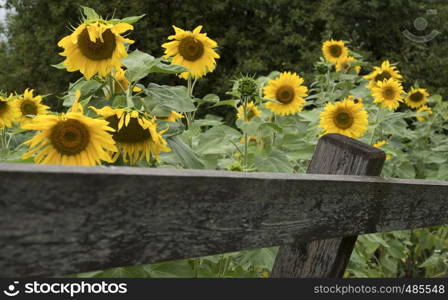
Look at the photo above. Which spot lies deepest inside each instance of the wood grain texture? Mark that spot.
(334, 154)
(62, 220)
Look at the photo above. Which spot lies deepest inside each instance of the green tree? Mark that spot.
(254, 36)
(376, 28)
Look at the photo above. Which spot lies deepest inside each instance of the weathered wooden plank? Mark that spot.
(334, 154)
(59, 220)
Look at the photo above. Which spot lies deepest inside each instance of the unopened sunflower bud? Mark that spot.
(236, 167)
(247, 87)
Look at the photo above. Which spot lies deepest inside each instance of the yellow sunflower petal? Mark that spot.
(288, 90)
(346, 117)
(192, 50)
(95, 48)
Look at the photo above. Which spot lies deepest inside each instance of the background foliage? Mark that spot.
(254, 36)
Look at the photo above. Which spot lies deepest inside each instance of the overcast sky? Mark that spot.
(2, 11)
(2, 17)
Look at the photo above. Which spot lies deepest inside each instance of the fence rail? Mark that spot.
(61, 220)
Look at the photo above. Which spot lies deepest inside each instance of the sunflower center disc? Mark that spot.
(3, 106)
(416, 97)
(97, 50)
(28, 108)
(70, 137)
(343, 120)
(335, 50)
(191, 49)
(382, 76)
(389, 94)
(285, 94)
(131, 134)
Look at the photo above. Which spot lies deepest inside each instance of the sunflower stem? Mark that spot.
(8, 140)
(274, 136)
(190, 87)
(2, 139)
(196, 267)
(246, 137)
(193, 86)
(377, 123)
(226, 265)
(110, 81)
(5, 140)
(246, 150)
(327, 88)
(221, 266)
(129, 101)
(238, 149)
(431, 123)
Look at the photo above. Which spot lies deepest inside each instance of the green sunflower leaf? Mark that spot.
(139, 65)
(204, 123)
(276, 161)
(90, 13)
(188, 158)
(119, 100)
(88, 89)
(360, 92)
(211, 98)
(249, 128)
(432, 261)
(406, 170)
(128, 20)
(233, 103)
(218, 140)
(436, 98)
(60, 66)
(164, 68)
(172, 269)
(172, 97)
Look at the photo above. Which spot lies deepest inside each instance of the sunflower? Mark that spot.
(70, 139)
(288, 90)
(386, 71)
(135, 134)
(417, 98)
(424, 109)
(29, 107)
(250, 139)
(252, 111)
(346, 117)
(381, 144)
(192, 50)
(334, 51)
(8, 112)
(388, 93)
(122, 83)
(344, 65)
(172, 117)
(95, 48)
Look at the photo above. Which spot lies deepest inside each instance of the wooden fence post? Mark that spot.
(334, 154)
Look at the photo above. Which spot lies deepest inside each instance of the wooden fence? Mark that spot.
(58, 220)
